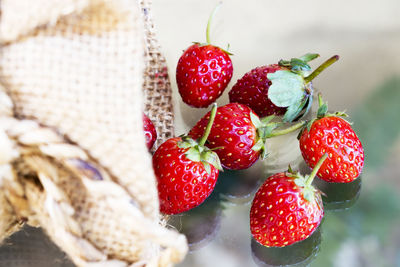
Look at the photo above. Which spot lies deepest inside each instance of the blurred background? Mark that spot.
(365, 82)
(360, 227)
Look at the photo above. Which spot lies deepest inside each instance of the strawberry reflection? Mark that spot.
(299, 254)
(337, 196)
(238, 187)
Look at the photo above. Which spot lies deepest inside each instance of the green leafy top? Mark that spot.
(299, 64)
(264, 129)
(287, 88)
(200, 153)
(290, 88)
(196, 149)
(305, 182)
(321, 113)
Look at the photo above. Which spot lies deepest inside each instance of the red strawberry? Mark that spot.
(186, 172)
(279, 88)
(238, 135)
(149, 132)
(203, 72)
(286, 209)
(252, 90)
(332, 135)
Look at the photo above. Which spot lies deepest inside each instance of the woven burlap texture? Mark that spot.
(75, 79)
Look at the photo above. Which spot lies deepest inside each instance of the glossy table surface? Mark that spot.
(360, 226)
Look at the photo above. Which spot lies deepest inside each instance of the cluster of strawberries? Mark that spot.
(267, 101)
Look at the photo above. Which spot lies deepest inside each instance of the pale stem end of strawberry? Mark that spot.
(310, 178)
(322, 67)
(209, 125)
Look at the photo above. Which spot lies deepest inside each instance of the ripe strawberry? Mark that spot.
(186, 172)
(238, 135)
(149, 132)
(203, 72)
(279, 88)
(252, 90)
(332, 135)
(286, 209)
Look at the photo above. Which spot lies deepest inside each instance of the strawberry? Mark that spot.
(238, 135)
(332, 135)
(286, 209)
(186, 172)
(279, 88)
(149, 132)
(203, 72)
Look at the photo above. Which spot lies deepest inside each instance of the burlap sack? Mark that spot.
(75, 76)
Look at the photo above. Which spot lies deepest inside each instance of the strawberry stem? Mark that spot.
(310, 178)
(209, 125)
(323, 66)
(208, 30)
(320, 101)
(288, 130)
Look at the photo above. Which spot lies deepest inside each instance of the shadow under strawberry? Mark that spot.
(239, 186)
(299, 254)
(339, 196)
(200, 225)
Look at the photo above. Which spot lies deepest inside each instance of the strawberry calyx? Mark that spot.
(197, 151)
(290, 87)
(299, 65)
(305, 182)
(322, 112)
(264, 129)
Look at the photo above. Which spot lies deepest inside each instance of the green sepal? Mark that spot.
(341, 114)
(309, 104)
(309, 124)
(200, 44)
(264, 154)
(308, 57)
(207, 167)
(322, 110)
(267, 119)
(309, 193)
(287, 88)
(212, 158)
(193, 154)
(300, 181)
(294, 110)
(258, 145)
(290, 170)
(186, 142)
(227, 50)
(224, 50)
(200, 153)
(256, 120)
(264, 129)
(308, 190)
(299, 65)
